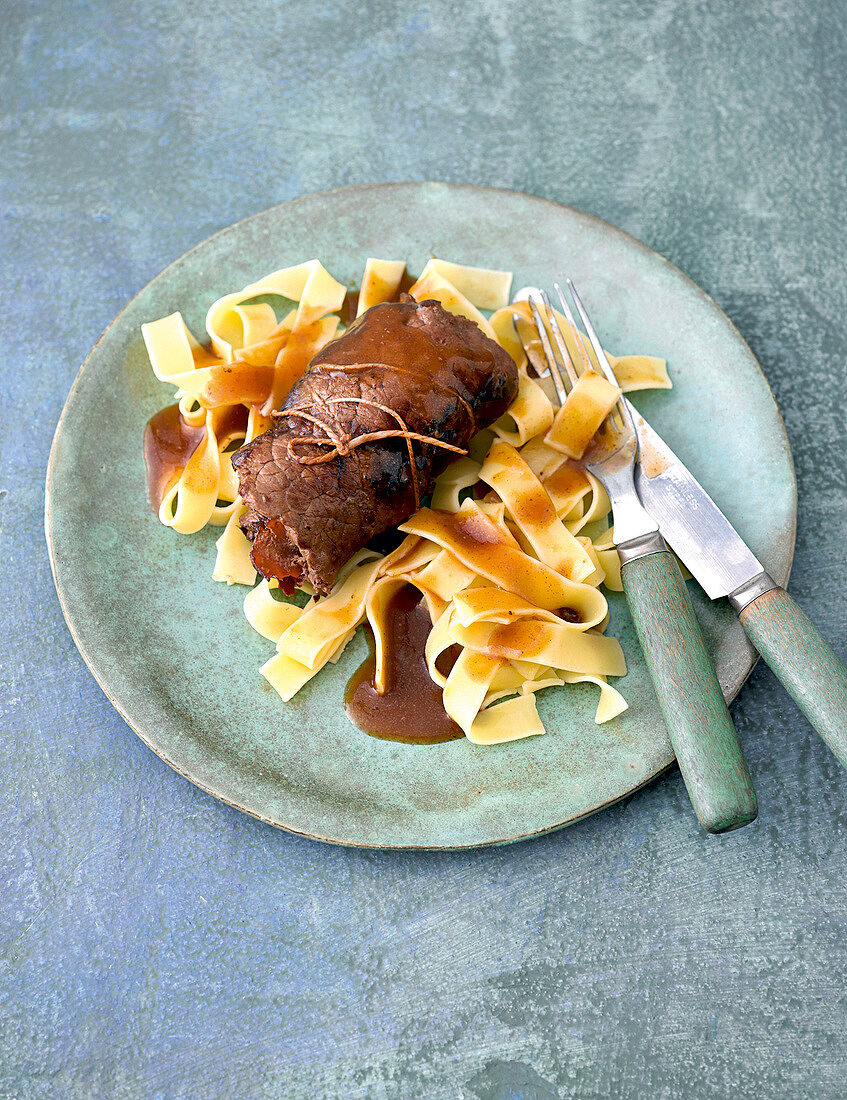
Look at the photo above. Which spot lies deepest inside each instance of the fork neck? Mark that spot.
(636, 533)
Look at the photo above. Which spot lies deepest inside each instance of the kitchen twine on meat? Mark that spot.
(343, 444)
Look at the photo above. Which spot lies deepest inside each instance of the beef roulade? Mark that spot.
(363, 435)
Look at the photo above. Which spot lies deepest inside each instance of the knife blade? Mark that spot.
(689, 519)
(723, 564)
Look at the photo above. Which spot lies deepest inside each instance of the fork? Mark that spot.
(692, 703)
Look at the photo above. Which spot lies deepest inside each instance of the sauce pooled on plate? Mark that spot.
(411, 709)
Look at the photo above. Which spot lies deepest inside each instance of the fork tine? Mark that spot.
(605, 366)
(530, 348)
(580, 346)
(602, 360)
(559, 338)
(615, 415)
(552, 362)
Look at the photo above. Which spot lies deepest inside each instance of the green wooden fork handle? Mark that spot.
(690, 697)
(803, 661)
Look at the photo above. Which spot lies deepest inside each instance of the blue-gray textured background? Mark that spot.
(158, 944)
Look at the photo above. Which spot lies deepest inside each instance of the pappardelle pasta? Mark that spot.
(510, 554)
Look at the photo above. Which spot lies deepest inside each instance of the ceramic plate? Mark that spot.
(172, 649)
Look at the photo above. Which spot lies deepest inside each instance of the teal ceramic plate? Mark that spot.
(171, 648)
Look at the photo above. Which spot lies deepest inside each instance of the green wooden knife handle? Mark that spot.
(692, 703)
(804, 662)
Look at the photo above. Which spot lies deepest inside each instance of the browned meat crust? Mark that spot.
(347, 457)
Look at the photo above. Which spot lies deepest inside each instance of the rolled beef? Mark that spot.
(363, 435)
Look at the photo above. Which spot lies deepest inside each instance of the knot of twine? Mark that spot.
(343, 445)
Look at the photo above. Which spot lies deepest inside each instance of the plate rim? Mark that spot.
(609, 227)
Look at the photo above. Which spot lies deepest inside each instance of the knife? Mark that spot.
(721, 561)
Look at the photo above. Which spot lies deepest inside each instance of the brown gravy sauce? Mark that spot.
(232, 422)
(347, 313)
(411, 710)
(169, 443)
(245, 383)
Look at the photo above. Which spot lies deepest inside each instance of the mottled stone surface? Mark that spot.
(159, 944)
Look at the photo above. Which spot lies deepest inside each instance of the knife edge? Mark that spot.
(688, 518)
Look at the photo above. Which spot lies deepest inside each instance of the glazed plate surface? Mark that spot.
(171, 648)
